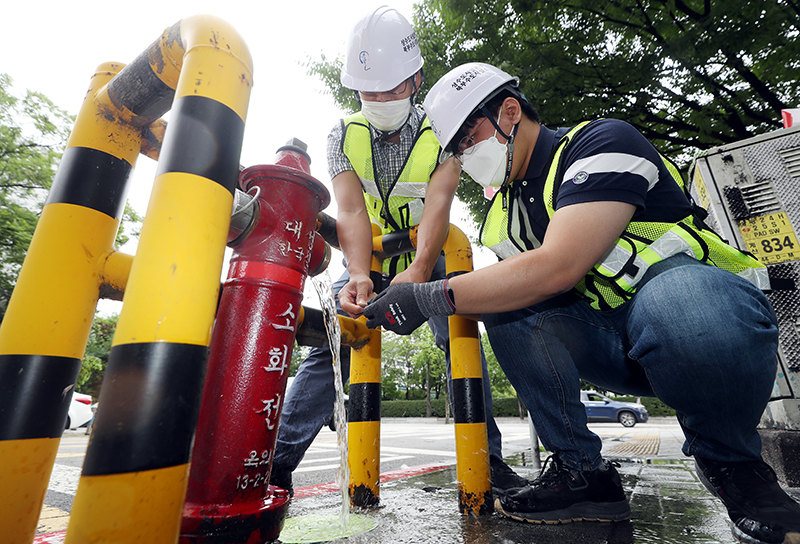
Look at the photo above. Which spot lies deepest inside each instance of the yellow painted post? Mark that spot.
(472, 445)
(135, 473)
(364, 421)
(469, 411)
(46, 326)
(364, 412)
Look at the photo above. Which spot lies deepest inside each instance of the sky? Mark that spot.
(54, 47)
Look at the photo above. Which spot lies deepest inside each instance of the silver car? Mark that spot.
(601, 408)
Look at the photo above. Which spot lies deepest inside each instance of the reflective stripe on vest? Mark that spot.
(613, 280)
(506, 229)
(402, 207)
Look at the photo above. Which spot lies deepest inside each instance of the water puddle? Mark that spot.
(323, 528)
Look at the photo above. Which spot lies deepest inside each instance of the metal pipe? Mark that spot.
(364, 421)
(135, 472)
(364, 409)
(537, 460)
(46, 326)
(472, 447)
(326, 227)
(469, 410)
(114, 272)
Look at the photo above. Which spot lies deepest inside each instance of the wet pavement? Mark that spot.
(669, 504)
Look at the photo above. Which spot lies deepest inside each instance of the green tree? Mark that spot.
(689, 74)
(33, 133)
(299, 353)
(501, 387)
(406, 363)
(429, 362)
(95, 359)
(398, 371)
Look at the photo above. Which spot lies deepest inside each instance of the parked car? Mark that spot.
(601, 408)
(80, 411)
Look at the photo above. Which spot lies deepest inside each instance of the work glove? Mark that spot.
(405, 306)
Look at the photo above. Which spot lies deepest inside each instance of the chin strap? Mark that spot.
(509, 162)
(510, 152)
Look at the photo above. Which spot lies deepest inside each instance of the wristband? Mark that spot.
(451, 297)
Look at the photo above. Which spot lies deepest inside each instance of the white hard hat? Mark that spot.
(459, 93)
(382, 52)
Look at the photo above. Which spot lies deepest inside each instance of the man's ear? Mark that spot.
(512, 108)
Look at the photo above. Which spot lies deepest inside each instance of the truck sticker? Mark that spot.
(770, 238)
(700, 188)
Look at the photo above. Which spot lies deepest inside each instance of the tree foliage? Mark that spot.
(501, 387)
(686, 73)
(689, 74)
(33, 133)
(299, 353)
(402, 375)
(95, 359)
(405, 359)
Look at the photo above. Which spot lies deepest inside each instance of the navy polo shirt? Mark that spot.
(608, 160)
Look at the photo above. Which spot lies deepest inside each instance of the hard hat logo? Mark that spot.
(463, 80)
(382, 52)
(436, 130)
(461, 92)
(409, 43)
(363, 58)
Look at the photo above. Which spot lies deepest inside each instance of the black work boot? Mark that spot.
(760, 510)
(564, 495)
(503, 477)
(282, 478)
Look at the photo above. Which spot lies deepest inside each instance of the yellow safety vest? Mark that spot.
(402, 207)
(506, 231)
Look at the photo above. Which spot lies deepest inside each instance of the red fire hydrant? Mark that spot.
(228, 497)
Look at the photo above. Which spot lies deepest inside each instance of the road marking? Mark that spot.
(320, 448)
(416, 451)
(51, 538)
(385, 477)
(52, 519)
(64, 479)
(384, 459)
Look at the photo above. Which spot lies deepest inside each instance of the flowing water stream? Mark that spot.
(322, 284)
(323, 528)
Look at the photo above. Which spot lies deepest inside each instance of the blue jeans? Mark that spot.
(701, 339)
(309, 402)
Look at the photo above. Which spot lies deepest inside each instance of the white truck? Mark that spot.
(751, 191)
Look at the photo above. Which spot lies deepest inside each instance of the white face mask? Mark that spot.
(486, 162)
(386, 116)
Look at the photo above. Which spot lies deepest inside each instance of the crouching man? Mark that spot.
(609, 275)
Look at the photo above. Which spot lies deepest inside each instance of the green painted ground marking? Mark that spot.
(324, 528)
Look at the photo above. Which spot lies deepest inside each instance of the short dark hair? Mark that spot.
(492, 105)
